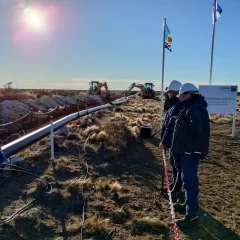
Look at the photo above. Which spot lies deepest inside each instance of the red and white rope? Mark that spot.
(175, 228)
(40, 113)
(17, 120)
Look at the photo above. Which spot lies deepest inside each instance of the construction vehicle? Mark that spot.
(95, 88)
(146, 89)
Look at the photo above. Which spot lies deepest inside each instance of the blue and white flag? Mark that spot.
(218, 13)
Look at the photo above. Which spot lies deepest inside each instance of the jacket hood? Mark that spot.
(201, 100)
(172, 101)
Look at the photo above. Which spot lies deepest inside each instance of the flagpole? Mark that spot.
(163, 60)
(213, 37)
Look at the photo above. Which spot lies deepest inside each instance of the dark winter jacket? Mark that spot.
(168, 125)
(166, 102)
(192, 128)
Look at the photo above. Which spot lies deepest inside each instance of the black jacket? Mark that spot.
(168, 125)
(166, 102)
(192, 128)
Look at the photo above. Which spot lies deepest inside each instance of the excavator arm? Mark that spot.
(100, 85)
(137, 86)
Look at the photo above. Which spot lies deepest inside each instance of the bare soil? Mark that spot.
(122, 190)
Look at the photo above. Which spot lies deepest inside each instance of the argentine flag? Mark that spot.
(218, 13)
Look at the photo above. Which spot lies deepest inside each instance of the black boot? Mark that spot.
(180, 207)
(174, 196)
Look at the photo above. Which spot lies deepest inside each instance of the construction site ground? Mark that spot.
(121, 193)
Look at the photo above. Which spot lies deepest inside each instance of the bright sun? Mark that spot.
(34, 19)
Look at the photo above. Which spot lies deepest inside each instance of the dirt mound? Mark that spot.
(11, 110)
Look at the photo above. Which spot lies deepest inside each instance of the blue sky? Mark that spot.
(118, 41)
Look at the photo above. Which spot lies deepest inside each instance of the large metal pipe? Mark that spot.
(21, 143)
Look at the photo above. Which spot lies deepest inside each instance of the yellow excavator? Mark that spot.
(146, 89)
(95, 88)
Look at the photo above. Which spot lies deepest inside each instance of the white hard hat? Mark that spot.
(174, 85)
(188, 87)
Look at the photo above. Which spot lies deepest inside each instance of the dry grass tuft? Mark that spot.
(97, 224)
(72, 136)
(139, 121)
(115, 187)
(92, 129)
(135, 129)
(120, 215)
(119, 109)
(75, 185)
(118, 135)
(103, 184)
(148, 115)
(74, 225)
(93, 136)
(26, 153)
(102, 136)
(75, 189)
(125, 118)
(69, 145)
(64, 194)
(147, 224)
(132, 123)
(108, 184)
(134, 135)
(118, 117)
(217, 118)
(61, 166)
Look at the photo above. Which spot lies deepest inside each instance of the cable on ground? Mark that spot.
(85, 178)
(175, 228)
(47, 191)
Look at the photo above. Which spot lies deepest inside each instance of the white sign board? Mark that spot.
(221, 99)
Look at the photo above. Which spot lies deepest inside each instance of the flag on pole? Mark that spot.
(218, 13)
(168, 39)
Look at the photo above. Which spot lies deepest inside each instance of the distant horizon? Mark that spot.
(134, 89)
(113, 89)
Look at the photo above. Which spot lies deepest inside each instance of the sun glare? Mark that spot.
(34, 19)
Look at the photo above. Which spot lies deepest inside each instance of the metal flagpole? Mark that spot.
(213, 36)
(163, 60)
(161, 108)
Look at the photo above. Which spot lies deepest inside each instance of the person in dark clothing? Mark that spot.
(166, 103)
(190, 140)
(167, 133)
(175, 159)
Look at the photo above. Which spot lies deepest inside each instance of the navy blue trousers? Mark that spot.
(175, 161)
(190, 183)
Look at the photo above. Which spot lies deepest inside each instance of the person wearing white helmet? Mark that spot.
(171, 91)
(191, 141)
(166, 136)
(166, 103)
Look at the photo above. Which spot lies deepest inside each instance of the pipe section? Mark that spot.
(21, 143)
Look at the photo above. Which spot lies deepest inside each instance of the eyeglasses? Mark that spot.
(185, 93)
